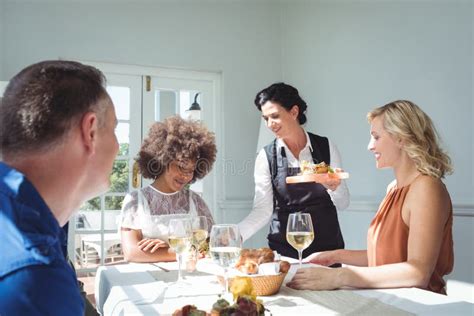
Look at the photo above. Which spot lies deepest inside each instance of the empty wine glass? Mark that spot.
(299, 232)
(225, 245)
(179, 237)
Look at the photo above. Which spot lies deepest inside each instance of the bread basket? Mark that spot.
(264, 285)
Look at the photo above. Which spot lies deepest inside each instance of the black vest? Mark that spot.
(301, 197)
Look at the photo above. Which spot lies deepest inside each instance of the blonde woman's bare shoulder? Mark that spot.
(425, 182)
(426, 188)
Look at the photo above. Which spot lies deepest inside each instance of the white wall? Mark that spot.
(349, 57)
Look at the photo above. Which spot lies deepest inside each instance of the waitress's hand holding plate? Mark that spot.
(323, 178)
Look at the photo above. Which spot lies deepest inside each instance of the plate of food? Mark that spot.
(319, 173)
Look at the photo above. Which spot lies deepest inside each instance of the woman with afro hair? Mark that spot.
(175, 153)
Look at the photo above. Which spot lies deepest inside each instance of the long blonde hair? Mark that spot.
(406, 121)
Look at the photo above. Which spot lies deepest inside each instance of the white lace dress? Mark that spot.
(150, 210)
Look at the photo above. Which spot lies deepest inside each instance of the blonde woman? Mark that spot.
(409, 242)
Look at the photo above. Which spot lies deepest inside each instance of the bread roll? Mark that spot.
(251, 258)
(249, 267)
(284, 266)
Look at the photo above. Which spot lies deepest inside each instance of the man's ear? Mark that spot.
(89, 128)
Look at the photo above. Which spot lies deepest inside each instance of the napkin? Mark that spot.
(269, 268)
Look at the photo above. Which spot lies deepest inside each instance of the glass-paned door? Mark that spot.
(96, 238)
(139, 101)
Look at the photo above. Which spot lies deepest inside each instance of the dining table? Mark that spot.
(153, 289)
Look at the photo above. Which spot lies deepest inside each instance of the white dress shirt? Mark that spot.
(263, 198)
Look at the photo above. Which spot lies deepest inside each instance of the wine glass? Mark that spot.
(179, 237)
(225, 245)
(200, 230)
(299, 232)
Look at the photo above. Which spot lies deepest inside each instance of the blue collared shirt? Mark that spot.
(35, 278)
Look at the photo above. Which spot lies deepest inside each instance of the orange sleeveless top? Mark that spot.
(387, 239)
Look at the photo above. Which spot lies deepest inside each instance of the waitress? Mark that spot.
(284, 111)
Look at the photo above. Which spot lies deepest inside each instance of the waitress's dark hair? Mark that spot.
(285, 95)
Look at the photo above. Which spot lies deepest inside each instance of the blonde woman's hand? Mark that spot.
(324, 258)
(316, 278)
(151, 245)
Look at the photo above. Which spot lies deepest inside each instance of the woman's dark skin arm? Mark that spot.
(137, 249)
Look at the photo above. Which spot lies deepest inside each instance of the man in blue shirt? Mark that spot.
(58, 144)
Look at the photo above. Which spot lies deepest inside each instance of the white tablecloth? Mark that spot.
(145, 289)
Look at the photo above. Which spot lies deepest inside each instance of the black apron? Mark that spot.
(309, 198)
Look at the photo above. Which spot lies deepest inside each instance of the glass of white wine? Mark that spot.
(179, 238)
(225, 245)
(299, 232)
(200, 230)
